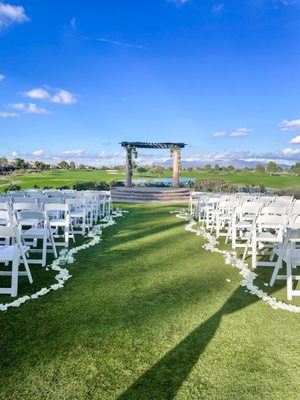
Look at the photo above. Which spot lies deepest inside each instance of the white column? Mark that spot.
(128, 178)
(176, 167)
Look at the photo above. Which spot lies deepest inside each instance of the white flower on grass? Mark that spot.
(63, 273)
(248, 275)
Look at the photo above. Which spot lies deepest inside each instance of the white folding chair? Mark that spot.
(78, 215)
(242, 220)
(224, 212)
(211, 212)
(60, 219)
(34, 226)
(268, 230)
(193, 200)
(13, 252)
(290, 254)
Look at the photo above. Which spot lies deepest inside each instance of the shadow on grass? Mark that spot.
(81, 315)
(163, 380)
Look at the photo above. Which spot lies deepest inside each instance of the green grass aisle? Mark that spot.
(149, 314)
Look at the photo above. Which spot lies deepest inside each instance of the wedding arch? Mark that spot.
(131, 151)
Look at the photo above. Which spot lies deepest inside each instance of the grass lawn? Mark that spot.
(252, 178)
(66, 177)
(149, 314)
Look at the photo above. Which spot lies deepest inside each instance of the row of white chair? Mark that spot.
(31, 225)
(266, 227)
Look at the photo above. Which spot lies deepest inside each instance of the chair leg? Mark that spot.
(52, 242)
(289, 279)
(44, 251)
(25, 262)
(275, 272)
(14, 273)
(254, 255)
(67, 235)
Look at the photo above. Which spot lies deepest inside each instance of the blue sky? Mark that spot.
(76, 78)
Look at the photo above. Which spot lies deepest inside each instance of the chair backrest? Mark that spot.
(56, 207)
(77, 201)
(284, 200)
(5, 217)
(247, 210)
(213, 201)
(8, 232)
(5, 206)
(14, 194)
(9, 235)
(57, 211)
(34, 217)
(34, 193)
(267, 199)
(294, 221)
(25, 206)
(273, 209)
(269, 222)
(24, 200)
(51, 200)
(52, 193)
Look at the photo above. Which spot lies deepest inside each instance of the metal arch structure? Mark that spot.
(175, 149)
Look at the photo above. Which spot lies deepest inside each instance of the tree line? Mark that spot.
(20, 164)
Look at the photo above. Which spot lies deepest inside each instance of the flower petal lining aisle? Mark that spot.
(63, 273)
(231, 259)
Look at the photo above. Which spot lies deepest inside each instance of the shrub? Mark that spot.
(214, 185)
(289, 192)
(63, 187)
(12, 188)
(91, 186)
(116, 183)
(102, 186)
(84, 186)
(261, 188)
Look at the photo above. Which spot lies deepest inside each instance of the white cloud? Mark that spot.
(58, 96)
(178, 2)
(38, 153)
(237, 133)
(295, 140)
(289, 126)
(219, 134)
(79, 156)
(240, 132)
(73, 153)
(73, 24)
(2, 77)
(285, 2)
(29, 108)
(64, 97)
(290, 152)
(287, 156)
(218, 7)
(10, 15)
(39, 94)
(8, 115)
(115, 42)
